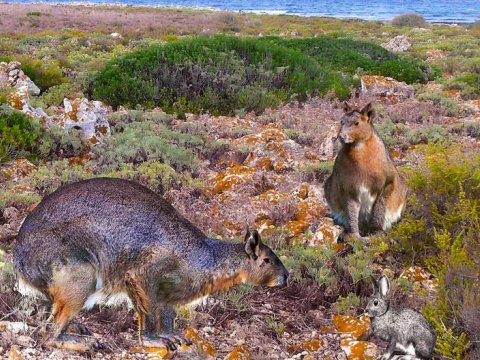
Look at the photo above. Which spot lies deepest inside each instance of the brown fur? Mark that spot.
(365, 192)
(132, 242)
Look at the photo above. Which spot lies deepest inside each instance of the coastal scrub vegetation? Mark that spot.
(222, 74)
(18, 134)
(178, 156)
(410, 20)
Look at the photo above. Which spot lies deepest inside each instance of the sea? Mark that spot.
(437, 11)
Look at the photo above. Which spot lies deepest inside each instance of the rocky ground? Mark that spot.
(265, 171)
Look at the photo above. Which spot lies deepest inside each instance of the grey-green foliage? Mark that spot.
(140, 142)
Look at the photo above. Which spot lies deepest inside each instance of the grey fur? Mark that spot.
(401, 327)
(122, 237)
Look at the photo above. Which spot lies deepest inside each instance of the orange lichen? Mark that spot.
(310, 210)
(204, 346)
(302, 191)
(311, 155)
(272, 197)
(311, 345)
(16, 100)
(78, 160)
(102, 129)
(280, 167)
(160, 352)
(350, 325)
(241, 352)
(296, 227)
(93, 140)
(415, 273)
(226, 179)
(358, 350)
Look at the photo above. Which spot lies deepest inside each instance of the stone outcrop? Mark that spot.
(386, 89)
(89, 117)
(12, 75)
(399, 43)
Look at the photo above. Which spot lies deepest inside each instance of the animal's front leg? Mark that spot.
(158, 328)
(390, 350)
(353, 211)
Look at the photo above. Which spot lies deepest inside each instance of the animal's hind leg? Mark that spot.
(69, 289)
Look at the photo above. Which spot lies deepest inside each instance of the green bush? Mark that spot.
(352, 56)
(18, 134)
(219, 74)
(149, 141)
(469, 85)
(43, 74)
(53, 96)
(410, 20)
(440, 229)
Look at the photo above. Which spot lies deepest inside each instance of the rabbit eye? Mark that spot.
(356, 124)
(266, 260)
(375, 302)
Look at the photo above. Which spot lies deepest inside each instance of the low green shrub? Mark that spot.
(43, 74)
(53, 96)
(440, 228)
(218, 74)
(410, 20)
(469, 85)
(18, 134)
(434, 134)
(149, 141)
(450, 106)
(352, 56)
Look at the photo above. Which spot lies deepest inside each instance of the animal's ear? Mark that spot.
(252, 243)
(375, 285)
(369, 111)
(384, 285)
(346, 107)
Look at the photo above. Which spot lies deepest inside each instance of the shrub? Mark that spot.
(410, 20)
(351, 56)
(144, 141)
(18, 134)
(440, 228)
(449, 105)
(316, 172)
(434, 134)
(53, 96)
(469, 85)
(43, 74)
(219, 74)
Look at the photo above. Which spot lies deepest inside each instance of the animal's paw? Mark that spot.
(170, 341)
(76, 343)
(384, 357)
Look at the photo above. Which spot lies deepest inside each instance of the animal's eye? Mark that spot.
(375, 302)
(266, 260)
(356, 124)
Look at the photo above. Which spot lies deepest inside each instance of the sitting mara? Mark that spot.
(365, 192)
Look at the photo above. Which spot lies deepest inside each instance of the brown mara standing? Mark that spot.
(365, 192)
(100, 239)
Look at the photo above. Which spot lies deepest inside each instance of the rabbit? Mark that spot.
(409, 334)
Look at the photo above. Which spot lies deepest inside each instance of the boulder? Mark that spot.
(386, 89)
(12, 75)
(399, 43)
(90, 117)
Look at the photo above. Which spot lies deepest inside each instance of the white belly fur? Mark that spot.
(391, 217)
(366, 200)
(27, 290)
(104, 297)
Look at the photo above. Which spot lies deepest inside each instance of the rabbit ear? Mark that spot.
(384, 285)
(375, 284)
